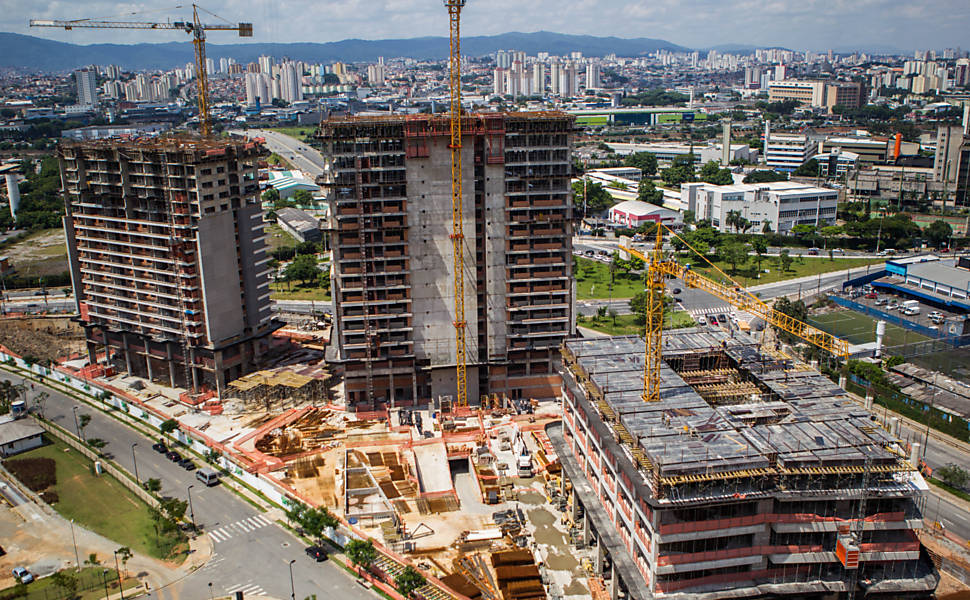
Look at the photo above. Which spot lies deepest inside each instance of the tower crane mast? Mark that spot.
(195, 28)
(457, 211)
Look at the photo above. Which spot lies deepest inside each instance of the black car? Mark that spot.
(187, 464)
(160, 448)
(174, 456)
(316, 553)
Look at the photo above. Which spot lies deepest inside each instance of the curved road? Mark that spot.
(299, 154)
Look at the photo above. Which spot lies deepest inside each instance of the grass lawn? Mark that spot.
(626, 324)
(297, 132)
(41, 253)
(277, 238)
(279, 291)
(99, 503)
(91, 583)
(593, 281)
(747, 274)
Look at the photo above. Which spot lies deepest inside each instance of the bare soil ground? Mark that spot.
(44, 339)
(42, 253)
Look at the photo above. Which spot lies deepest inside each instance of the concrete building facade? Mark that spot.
(389, 189)
(167, 255)
(787, 151)
(743, 481)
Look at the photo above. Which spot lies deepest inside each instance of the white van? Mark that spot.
(910, 307)
(207, 476)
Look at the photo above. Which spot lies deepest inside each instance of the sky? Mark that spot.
(796, 24)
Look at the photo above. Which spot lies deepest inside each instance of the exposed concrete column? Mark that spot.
(148, 361)
(92, 352)
(587, 530)
(614, 583)
(195, 376)
(574, 512)
(124, 345)
(219, 375)
(600, 557)
(171, 365)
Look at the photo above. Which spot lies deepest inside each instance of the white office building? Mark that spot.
(593, 76)
(783, 204)
(87, 87)
(787, 151)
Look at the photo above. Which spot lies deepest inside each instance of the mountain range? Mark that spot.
(34, 53)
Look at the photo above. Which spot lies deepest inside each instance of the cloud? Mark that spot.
(801, 24)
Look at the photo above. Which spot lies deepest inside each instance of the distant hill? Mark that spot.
(28, 52)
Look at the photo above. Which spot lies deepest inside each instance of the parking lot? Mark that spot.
(929, 315)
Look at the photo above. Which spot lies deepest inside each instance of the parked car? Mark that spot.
(813, 251)
(675, 291)
(723, 320)
(316, 553)
(160, 448)
(701, 320)
(935, 314)
(590, 253)
(880, 301)
(173, 456)
(22, 575)
(712, 320)
(893, 305)
(187, 464)
(872, 295)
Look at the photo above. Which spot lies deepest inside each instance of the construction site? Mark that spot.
(753, 475)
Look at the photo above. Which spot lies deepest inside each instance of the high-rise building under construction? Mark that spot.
(753, 476)
(389, 188)
(167, 255)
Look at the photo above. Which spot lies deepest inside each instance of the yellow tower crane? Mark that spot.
(457, 211)
(194, 27)
(658, 269)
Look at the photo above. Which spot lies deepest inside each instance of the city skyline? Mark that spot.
(873, 25)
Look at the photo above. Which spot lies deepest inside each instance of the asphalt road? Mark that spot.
(250, 552)
(299, 154)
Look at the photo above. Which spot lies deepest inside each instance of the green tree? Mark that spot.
(153, 485)
(645, 161)
(689, 216)
(785, 260)
(124, 555)
(82, 423)
(66, 582)
(597, 198)
(302, 197)
(173, 508)
(734, 253)
(760, 246)
(808, 168)
(953, 475)
(829, 233)
(168, 426)
(764, 176)
(303, 268)
(361, 552)
(712, 172)
(680, 171)
(938, 233)
(408, 580)
(766, 228)
(795, 309)
(271, 196)
(648, 192)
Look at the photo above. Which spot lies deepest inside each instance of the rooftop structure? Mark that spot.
(167, 256)
(746, 474)
(944, 282)
(388, 186)
(300, 224)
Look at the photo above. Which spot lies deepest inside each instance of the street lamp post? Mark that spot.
(77, 557)
(188, 491)
(292, 587)
(210, 590)
(77, 427)
(135, 461)
(121, 584)
(104, 579)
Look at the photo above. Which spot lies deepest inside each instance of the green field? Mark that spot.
(280, 291)
(857, 328)
(747, 274)
(277, 238)
(100, 503)
(593, 281)
(299, 132)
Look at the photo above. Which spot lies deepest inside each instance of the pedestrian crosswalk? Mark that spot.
(248, 589)
(239, 527)
(715, 310)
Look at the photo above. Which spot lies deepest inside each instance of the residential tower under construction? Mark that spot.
(167, 255)
(389, 187)
(753, 476)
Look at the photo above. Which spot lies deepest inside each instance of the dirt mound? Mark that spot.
(37, 474)
(42, 339)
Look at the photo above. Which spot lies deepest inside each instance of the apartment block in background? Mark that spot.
(389, 188)
(754, 476)
(167, 254)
